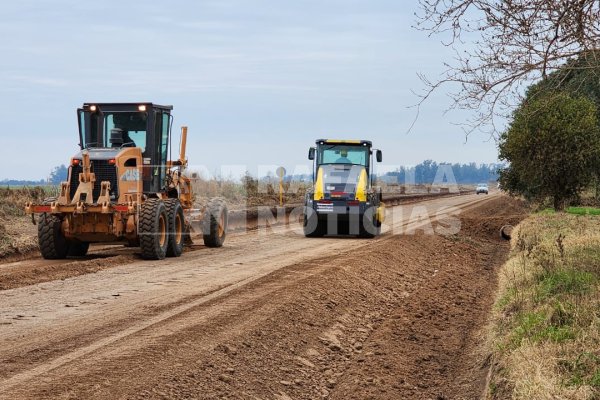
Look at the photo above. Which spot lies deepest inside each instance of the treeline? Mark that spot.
(57, 175)
(430, 171)
(16, 182)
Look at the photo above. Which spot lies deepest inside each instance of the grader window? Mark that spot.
(133, 125)
(96, 129)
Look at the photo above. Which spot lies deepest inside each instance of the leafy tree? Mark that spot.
(425, 172)
(553, 147)
(59, 174)
(579, 77)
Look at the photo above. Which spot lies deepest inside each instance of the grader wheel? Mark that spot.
(214, 225)
(53, 244)
(78, 249)
(154, 230)
(177, 228)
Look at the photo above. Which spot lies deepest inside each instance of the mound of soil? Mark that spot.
(17, 236)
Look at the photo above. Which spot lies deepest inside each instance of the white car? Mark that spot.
(482, 188)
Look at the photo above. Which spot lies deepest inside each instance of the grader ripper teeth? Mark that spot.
(122, 187)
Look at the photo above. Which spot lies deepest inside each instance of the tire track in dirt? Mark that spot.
(30, 269)
(124, 332)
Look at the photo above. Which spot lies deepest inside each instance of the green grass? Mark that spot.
(572, 210)
(567, 281)
(507, 297)
(539, 327)
(583, 210)
(595, 379)
(583, 370)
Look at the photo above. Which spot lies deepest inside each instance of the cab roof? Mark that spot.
(126, 106)
(342, 141)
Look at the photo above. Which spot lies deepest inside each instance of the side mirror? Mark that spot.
(311, 153)
(379, 156)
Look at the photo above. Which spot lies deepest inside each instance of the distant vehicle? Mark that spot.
(482, 188)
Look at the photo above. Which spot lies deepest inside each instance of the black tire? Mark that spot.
(312, 226)
(53, 244)
(214, 225)
(78, 249)
(370, 226)
(133, 243)
(154, 230)
(177, 228)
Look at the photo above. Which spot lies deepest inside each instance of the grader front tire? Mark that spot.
(154, 230)
(177, 228)
(53, 244)
(214, 225)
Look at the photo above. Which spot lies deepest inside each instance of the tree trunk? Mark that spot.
(559, 203)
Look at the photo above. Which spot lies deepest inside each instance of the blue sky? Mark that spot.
(256, 81)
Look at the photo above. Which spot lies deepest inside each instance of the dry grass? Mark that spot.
(17, 233)
(249, 192)
(546, 328)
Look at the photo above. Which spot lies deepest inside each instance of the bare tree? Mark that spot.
(501, 45)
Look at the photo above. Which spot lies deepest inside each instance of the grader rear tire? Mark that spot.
(214, 225)
(154, 230)
(78, 249)
(177, 228)
(53, 244)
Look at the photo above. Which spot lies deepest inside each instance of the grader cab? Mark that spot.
(123, 186)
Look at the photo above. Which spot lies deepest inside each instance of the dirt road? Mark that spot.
(270, 315)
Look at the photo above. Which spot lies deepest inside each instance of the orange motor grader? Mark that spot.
(123, 186)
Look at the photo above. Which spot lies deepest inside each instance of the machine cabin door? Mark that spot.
(157, 151)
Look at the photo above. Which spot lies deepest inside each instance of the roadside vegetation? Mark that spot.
(249, 192)
(17, 233)
(552, 145)
(546, 324)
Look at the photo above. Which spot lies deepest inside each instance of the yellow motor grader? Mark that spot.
(124, 186)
